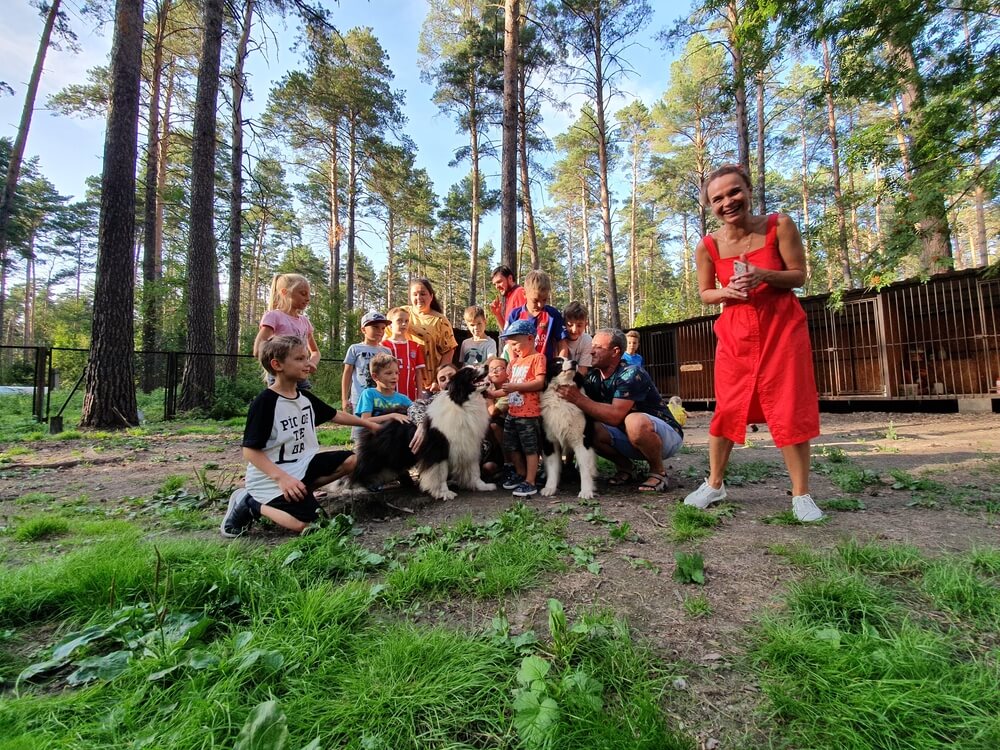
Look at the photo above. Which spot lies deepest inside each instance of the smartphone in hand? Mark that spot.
(739, 268)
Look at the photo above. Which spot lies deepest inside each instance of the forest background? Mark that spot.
(874, 125)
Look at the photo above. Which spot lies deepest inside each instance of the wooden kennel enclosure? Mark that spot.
(913, 340)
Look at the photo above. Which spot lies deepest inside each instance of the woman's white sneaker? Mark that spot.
(805, 510)
(706, 495)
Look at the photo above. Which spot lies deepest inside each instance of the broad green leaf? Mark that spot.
(265, 729)
(532, 668)
(33, 670)
(105, 667)
(159, 675)
(535, 719)
(589, 689)
(65, 648)
(201, 659)
(272, 660)
(292, 557)
(242, 640)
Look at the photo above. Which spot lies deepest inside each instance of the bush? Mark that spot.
(18, 373)
(233, 396)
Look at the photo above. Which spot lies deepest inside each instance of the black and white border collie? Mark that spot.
(457, 421)
(566, 430)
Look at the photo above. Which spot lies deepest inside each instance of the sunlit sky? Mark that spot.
(70, 149)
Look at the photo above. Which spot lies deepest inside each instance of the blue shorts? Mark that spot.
(669, 437)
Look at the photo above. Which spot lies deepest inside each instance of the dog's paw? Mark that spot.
(548, 491)
(585, 494)
(445, 495)
(485, 487)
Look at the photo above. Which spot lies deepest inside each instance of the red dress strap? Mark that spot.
(772, 229)
(710, 245)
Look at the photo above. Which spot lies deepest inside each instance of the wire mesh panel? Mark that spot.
(696, 359)
(846, 347)
(989, 303)
(659, 350)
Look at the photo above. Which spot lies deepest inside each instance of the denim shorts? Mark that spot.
(669, 437)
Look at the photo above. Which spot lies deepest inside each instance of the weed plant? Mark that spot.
(41, 527)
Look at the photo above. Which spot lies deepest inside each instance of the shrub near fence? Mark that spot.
(52, 378)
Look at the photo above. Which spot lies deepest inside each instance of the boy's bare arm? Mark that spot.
(345, 389)
(290, 487)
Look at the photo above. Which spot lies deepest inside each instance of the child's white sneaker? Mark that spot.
(706, 495)
(805, 510)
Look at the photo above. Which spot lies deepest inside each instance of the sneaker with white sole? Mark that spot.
(706, 495)
(805, 510)
(512, 482)
(238, 515)
(525, 490)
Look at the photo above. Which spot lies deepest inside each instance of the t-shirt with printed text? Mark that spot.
(523, 370)
(285, 429)
(359, 356)
(410, 356)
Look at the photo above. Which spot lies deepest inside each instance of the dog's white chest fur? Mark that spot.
(563, 421)
(464, 425)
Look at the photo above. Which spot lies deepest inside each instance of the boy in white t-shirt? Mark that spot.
(279, 443)
(576, 320)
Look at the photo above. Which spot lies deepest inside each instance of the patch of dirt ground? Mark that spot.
(745, 577)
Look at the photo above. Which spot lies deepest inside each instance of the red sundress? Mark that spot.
(763, 361)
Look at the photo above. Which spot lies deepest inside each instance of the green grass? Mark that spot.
(303, 624)
(697, 607)
(787, 518)
(35, 498)
(336, 436)
(843, 504)
(739, 474)
(173, 483)
(688, 522)
(41, 527)
(856, 662)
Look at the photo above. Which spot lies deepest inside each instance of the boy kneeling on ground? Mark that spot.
(279, 441)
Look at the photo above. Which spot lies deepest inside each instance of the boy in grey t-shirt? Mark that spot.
(576, 318)
(356, 375)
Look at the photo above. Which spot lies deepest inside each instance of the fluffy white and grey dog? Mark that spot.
(566, 430)
(455, 425)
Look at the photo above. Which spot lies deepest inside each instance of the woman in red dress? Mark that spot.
(763, 361)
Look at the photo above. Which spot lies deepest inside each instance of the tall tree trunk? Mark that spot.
(529, 212)
(27, 333)
(927, 197)
(109, 396)
(508, 156)
(198, 383)
(761, 170)
(352, 204)
(633, 250)
(739, 87)
(602, 157)
(334, 236)
(21, 140)
(904, 146)
(838, 196)
(150, 292)
(804, 173)
(390, 260)
(591, 297)
(236, 199)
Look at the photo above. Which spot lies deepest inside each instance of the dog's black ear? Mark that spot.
(578, 379)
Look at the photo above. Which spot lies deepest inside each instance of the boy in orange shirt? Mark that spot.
(522, 428)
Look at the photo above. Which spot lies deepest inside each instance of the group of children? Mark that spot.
(384, 376)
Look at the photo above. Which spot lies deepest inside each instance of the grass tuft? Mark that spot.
(954, 586)
(41, 527)
(896, 559)
(689, 523)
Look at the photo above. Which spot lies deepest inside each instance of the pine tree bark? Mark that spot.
(760, 188)
(236, 199)
(739, 87)
(352, 205)
(198, 382)
(150, 292)
(527, 207)
(109, 396)
(838, 196)
(21, 140)
(508, 156)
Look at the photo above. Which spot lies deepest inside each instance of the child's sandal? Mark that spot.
(621, 478)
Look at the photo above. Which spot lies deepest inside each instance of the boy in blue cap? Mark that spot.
(522, 428)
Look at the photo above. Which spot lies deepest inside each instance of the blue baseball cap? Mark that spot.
(373, 316)
(518, 328)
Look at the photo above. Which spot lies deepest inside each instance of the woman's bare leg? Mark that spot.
(719, 449)
(797, 462)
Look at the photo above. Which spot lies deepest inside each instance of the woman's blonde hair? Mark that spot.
(281, 282)
(722, 172)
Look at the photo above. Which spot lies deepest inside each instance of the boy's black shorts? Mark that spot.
(321, 466)
(522, 434)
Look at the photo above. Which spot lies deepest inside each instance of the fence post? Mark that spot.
(170, 387)
(42, 354)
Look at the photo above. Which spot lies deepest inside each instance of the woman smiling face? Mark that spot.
(729, 198)
(420, 297)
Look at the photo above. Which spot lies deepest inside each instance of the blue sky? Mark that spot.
(70, 149)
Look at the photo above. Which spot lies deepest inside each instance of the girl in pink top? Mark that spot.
(289, 297)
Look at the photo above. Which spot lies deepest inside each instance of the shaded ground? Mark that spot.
(945, 469)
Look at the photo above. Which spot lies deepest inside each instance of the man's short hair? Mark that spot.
(617, 337)
(575, 310)
(380, 361)
(502, 270)
(538, 281)
(277, 347)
